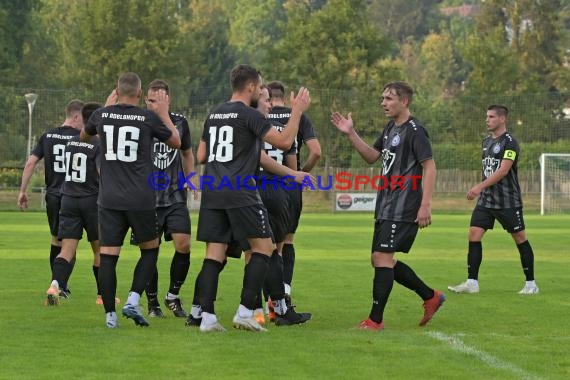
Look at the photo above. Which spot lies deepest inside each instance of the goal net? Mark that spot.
(554, 183)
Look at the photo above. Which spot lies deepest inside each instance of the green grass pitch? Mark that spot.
(496, 334)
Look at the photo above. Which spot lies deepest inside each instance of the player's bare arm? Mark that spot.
(314, 148)
(269, 164)
(26, 175)
(346, 126)
(428, 186)
(494, 178)
(201, 152)
(284, 139)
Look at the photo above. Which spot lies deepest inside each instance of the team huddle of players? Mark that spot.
(98, 162)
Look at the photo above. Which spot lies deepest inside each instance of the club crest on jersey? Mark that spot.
(496, 148)
(387, 161)
(396, 140)
(163, 155)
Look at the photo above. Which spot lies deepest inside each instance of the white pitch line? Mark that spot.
(490, 360)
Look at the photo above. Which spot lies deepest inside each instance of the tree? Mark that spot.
(529, 30)
(97, 41)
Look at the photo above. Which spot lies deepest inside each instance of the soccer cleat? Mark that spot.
(292, 318)
(99, 300)
(52, 296)
(111, 320)
(369, 324)
(247, 323)
(529, 290)
(133, 312)
(431, 306)
(191, 321)
(290, 305)
(465, 287)
(65, 293)
(176, 306)
(211, 327)
(154, 311)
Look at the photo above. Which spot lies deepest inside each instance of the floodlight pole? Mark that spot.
(31, 99)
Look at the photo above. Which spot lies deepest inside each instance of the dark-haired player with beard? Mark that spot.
(125, 199)
(171, 209)
(405, 151)
(51, 147)
(231, 207)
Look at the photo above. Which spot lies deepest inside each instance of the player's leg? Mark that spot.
(404, 234)
(177, 229)
(61, 270)
(288, 252)
(512, 221)
(144, 225)
(53, 205)
(69, 230)
(482, 219)
(214, 229)
(113, 226)
(252, 223)
(276, 201)
(382, 284)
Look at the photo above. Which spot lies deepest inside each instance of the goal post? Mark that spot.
(554, 183)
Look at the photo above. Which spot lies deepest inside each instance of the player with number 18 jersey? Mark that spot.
(233, 134)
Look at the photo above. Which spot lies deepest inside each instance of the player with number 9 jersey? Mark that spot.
(126, 133)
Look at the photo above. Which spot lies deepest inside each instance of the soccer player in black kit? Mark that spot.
(78, 210)
(126, 200)
(405, 150)
(231, 208)
(499, 199)
(308, 137)
(51, 147)
(171, 209)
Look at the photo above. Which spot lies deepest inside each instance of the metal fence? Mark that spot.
(540, 122)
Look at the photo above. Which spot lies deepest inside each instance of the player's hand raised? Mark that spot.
(112, 98)
(343, 124)
(302, 101)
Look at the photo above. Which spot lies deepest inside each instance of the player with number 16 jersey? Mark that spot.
(125, 169)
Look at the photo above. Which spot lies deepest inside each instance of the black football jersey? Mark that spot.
(507, 192)
(51, 147)
(126, 133)
(277, 154)
(169, 161)
(81, 168)
(403, 149)
(233, 135)
(306, 129)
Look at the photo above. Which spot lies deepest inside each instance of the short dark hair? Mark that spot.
(276, 89)
(73, 107)
(89, 108)
(499, 109)
(241, 75)
(402, 89)
(129, 85)
(159, 84)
